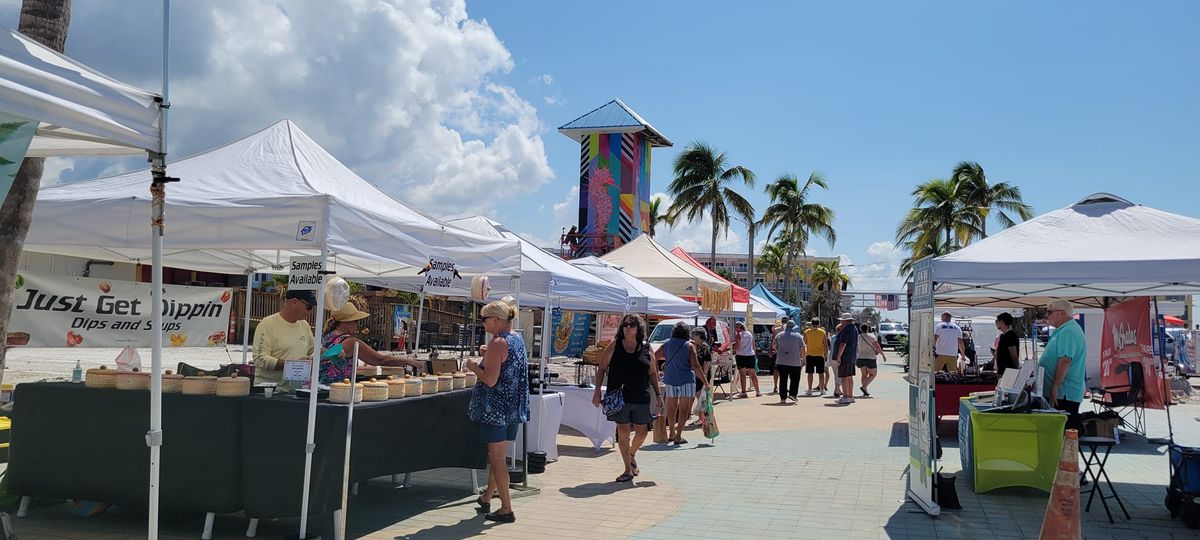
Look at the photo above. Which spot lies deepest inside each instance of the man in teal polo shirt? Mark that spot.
(1064, 362)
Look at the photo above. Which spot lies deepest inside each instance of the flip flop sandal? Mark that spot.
(484, 507)
(625, 477)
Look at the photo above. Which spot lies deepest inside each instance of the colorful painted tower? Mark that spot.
(614, 174)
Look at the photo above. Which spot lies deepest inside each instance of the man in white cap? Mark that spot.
(948, 345)
(846, 354)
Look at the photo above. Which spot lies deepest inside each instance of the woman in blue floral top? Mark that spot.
(500, 400)
(340, 330)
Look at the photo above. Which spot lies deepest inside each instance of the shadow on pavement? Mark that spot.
(596, 489)
(466, 528)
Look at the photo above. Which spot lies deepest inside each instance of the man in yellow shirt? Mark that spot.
(284, 336)
(817, 340)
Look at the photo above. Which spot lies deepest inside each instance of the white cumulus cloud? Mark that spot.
(405, 92)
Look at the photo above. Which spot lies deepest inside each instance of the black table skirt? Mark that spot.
(224, 454)
(392, 437)
(69, 441)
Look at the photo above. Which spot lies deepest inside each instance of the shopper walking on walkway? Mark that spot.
(626, 363)
(679, 375)
(499, 401)
(868, 347)
(743, 351)
(816, 341)
(789, 361)
(847, 353)
(704, 356)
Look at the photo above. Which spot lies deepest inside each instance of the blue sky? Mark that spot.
(1061, 98)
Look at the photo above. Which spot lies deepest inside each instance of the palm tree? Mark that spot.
(795, 217)
(933, 247)
(828, 277)
(772, 260)
(700, 185)
(46, 22)
(983, 198)
(658, 216)
(939, 210)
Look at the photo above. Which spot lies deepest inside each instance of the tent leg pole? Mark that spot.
(246, 342)
(208, 526)
(310, 435)
(23, 508)
(420, 321)
(252, 530)
(340, 515)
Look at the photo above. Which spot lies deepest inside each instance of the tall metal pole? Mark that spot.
(158, 192)
(310, 437)
(246, 342)
(341, 532)
(420, 319)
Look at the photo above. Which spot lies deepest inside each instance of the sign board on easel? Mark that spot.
(921, 418)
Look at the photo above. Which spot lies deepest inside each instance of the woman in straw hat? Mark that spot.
(339, 330)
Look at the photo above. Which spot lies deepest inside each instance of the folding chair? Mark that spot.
(723, 374)
(1127, 400)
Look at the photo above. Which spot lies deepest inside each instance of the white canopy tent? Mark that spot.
(253, 203)
(649, 261)
(1102, 246)
(81, 112)
(643, 297)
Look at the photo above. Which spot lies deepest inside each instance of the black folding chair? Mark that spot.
(1127, 400)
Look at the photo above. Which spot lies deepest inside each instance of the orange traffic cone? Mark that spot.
(1062, 511)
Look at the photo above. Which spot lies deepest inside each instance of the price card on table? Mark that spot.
(296, 370)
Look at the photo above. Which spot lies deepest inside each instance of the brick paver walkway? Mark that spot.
(810, 470)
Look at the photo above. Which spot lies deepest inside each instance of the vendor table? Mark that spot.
(946, 397)
(224, 454)
(390, 437)
(581, 415)
(73, 442)
(545, 417)
(1011, 449)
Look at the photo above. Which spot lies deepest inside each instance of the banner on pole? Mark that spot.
(921, 419)
(610, 323)
(66, 311)
(15, 135)
(1127, 340)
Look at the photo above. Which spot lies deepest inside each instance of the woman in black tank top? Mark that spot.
(626, 363)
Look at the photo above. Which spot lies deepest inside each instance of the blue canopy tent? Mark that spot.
(760, 291)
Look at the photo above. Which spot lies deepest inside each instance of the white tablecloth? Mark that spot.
(545, 417)
(579, 413)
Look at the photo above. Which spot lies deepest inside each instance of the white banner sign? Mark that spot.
(441, 276)
(66, 311)
(304, 273)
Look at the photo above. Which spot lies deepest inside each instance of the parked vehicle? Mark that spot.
(889, 334)
(662, 331)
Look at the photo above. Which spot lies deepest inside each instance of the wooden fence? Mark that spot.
(448, 317)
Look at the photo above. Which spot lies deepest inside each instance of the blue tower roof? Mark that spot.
(612, 117)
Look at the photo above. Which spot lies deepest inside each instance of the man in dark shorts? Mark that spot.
(847, 353)
(817, 341)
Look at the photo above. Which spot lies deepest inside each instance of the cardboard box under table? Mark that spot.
(1004, 449)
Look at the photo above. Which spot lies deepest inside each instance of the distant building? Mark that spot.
(738, 264)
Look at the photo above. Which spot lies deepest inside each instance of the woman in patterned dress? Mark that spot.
(340, 330)
(499, 401)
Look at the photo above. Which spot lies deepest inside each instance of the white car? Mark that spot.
(662, 331)
(889, 334)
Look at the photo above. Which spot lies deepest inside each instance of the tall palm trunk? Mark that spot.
(750, 264)
(712, 255)
(46, 22)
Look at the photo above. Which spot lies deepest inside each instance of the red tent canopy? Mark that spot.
(740, 294)
(1172, 320)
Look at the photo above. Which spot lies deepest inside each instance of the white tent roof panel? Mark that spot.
(82, 112)
(246, 204)
(649, 261)
(643, 297)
